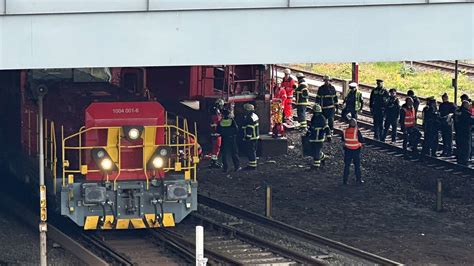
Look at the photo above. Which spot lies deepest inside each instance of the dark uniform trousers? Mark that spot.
(347, 111)
(378, 115)
(251, 152)
(463, 148)
(329, 114)
(229, 147)
(301, 112)
(318, 155)
(447, 136)
(352, 156)
(430, 143)
(390, 122)
(411, 136)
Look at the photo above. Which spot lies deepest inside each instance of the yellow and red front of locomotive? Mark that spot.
(128, 168)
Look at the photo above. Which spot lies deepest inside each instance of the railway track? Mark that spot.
(277, 242)
(70, 243)
(446, 66)
(364, 88)
(134, 247)
(140, 247)
(445, 163)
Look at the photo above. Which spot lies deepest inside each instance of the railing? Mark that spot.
(30, 141)
(180, 139)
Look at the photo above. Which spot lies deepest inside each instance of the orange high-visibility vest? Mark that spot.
(351, 140)
(409, 117)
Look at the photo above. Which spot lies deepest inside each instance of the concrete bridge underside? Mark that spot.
(87, 33)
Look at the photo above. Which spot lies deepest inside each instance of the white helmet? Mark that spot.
(353, 85)
(287, 71)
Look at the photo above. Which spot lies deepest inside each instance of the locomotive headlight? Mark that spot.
(102, 159)
(134, 134)
(106, 164)
(158, 162)
(160, 158)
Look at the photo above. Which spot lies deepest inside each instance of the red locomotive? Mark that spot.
(133, 170)
(115, 156)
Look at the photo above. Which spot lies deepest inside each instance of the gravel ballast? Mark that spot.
(392, 214)
(20, 245)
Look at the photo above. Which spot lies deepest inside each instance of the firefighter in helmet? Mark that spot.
(328, 99)
(251, 135)
(302, 100)
(319, 132)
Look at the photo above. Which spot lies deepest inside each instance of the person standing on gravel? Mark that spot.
(392, 112)
(327, 98)
(446, 112)
(353, 102)
(251, 135)
(378, 100)
(416, 101)
(302, 100)
(228, 131)
(430, 127)
(463, 124)
(408, 125)
(319, 131)
(216, 140)
(353, 140)
(289, 84)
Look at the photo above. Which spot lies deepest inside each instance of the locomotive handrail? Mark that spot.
(49, 140)
(190, 159)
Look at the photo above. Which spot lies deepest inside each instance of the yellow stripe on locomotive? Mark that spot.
(141, 176)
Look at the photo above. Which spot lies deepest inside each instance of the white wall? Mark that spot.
(244, 36)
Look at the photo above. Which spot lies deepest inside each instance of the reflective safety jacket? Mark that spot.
(407, 117)
(319, 128)
(327, 97)
(227, 128)
(352, 138)
(302, 93)
(354, 101)
(250, 127)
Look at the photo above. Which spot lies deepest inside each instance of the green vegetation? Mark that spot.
(400, 76)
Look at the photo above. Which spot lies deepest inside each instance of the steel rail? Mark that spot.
(31, 219)
(279, 250)
(363, 87)
(180, 241)
(104, 248)
(446, 66)
(177, 246)
(422, 157)
(337, 247)
(435, 160)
